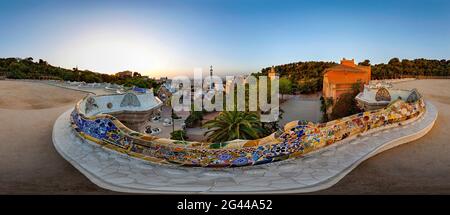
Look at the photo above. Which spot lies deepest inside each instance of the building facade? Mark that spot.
(377, 95)
(339, 79)
(125, 74)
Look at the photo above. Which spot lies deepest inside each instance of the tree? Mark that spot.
(305, 76)
(271, 127)
(194, 119)
(178, 135)
(90, 77)
(231, 125)
(364, 63)
(42, 62)
(395, 67)
(346, 104)
(394, 61)
(285, 86)
(136, 74)
(325, 104)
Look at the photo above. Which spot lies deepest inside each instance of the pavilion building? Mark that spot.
(339, 79)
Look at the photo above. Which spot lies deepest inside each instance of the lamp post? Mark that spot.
(169, 103)
(173, 121)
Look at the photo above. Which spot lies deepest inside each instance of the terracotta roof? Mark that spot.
(339, 82)
(345, 68)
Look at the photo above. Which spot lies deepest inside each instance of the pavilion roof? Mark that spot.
(345, 68)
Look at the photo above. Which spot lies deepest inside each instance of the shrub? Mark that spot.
(346, 104)
(178, 135)
(194, 119)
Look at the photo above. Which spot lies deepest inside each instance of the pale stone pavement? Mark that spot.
(30, 164)
(301, 107)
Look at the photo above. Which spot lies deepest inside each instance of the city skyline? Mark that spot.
(168, 38)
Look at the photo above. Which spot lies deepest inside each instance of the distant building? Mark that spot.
(272, 73)
(166, 90)
(378, 95)
(125, 74)
(339, 79)
(211, 83)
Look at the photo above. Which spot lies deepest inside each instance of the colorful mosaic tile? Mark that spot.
(299, 137)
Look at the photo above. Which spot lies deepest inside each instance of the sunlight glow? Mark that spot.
(118, 50)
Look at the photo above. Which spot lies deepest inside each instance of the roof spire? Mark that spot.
(211, 85)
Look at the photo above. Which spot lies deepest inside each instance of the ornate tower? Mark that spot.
(211, 85)
(272, 73)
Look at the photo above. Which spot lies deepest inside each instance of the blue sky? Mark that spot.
(160, 38)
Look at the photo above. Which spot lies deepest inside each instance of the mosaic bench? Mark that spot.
(91, 121)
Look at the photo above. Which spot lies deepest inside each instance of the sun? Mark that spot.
(117, 50)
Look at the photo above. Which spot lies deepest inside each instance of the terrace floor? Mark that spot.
(301, 107)
(29, 164)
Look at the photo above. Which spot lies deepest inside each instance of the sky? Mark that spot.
(168, 38)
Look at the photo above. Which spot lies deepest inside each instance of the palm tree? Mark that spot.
(231, 125)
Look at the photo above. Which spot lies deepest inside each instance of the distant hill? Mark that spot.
(17, 68)
(306, 77)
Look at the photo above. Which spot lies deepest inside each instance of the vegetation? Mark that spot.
(346, 104)
(178, 135)
(231, 128)
(16, 68)
(194, 119)
(271, 127)
(306, 77)
(308, 86)
(231, 125)
(285, 86)
(396, 68)
(325, 104)
(137, 81)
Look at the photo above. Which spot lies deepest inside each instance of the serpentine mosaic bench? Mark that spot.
(92, 121)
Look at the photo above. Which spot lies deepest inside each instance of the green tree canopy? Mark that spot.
(16, 68)
(285, 86)
(231, 125)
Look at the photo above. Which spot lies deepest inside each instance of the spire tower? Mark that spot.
(210, 76)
